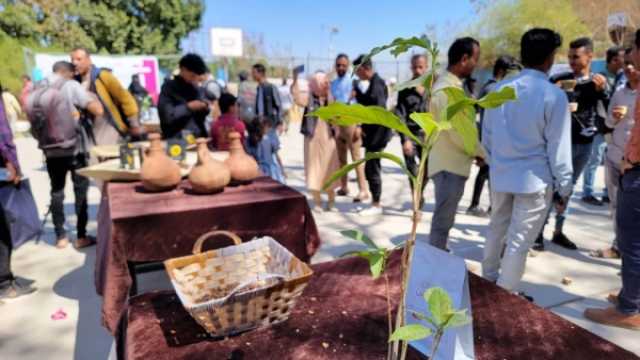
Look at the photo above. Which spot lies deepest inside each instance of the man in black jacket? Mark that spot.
(181, 105)
(584, 90)
(372, 90)
(268, 105)
(412, 100)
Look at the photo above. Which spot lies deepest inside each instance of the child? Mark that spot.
(263, 145)
(227, 122)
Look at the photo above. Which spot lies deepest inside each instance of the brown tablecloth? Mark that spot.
(134, 226)
(342, 315)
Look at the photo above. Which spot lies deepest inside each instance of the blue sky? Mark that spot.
(301, 27)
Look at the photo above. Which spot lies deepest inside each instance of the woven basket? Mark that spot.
(240, 287)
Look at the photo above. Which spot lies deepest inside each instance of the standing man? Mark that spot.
(121, 111)
(9, 287)
(412, 100)
(528, 144)
(615, 76)
(625, 312)
(621, 120)
(268, 104)
(342, 91)
(371, 90)
(449, 164)
(181, 105)
(590, 89)
(60, 98)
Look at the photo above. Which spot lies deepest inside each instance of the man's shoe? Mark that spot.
(562, 240)
(62, 242)
(539, 244)
(606, 200)
(613, 299)
(608, 253)
(372, 211)
(477, 212)
(15, 290)
(83, 242)
(612, 317)
(592, 200)
(343, 192)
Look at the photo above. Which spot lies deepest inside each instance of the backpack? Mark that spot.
(52, 119)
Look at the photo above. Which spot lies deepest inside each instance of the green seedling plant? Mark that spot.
(458, 117)
(443, 317)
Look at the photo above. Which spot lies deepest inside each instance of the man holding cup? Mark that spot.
(584, 90)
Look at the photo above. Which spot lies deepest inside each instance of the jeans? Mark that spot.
(481, 178)
(597, 153)
(628, 219)
(58, 167)
(516, 220)
(449, 189)
(580, 156)
(5, 251)
(373, 173)
(612, 177)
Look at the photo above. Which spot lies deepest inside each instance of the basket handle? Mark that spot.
(197, 247)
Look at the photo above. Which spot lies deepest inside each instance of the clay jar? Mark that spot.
(242, 166)
(159, 172)
(209, 175)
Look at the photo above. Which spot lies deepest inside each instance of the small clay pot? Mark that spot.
(242, 166)
(209, 175)
(159, 172)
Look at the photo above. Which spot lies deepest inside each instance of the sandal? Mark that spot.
(62, 243)
(609, 253)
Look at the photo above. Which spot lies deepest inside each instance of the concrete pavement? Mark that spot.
(65, 277)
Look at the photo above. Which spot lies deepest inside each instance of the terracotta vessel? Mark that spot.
(159, 172)
(242, 166)
(209, 175)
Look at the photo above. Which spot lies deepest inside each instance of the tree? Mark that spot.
(502, 24)
(112, 26)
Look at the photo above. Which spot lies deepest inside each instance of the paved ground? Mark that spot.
(65, 277)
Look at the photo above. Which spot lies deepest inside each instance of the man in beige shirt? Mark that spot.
(449, 164)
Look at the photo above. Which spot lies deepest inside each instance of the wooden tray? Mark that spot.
(110, 170)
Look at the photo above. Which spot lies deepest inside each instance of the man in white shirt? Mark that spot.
(528, 146)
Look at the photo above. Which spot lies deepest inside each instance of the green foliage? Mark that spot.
(502, 24)
(111, 26)
(375, 255)
(368, 156)
(443, 317)
(410, 333)
(344, 115)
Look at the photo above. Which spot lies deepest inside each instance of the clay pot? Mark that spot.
(209, 175)
(159, 172)
(242, 166)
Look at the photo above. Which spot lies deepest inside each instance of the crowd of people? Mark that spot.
(532, 151)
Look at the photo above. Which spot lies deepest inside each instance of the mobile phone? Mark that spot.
(298, 69)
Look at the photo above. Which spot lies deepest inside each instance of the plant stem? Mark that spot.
(436, 343)
(389, 317)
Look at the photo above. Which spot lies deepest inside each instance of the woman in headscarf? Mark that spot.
(320, 153)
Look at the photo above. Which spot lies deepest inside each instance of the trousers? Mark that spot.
(516, 220)
(449, 188)
(58, 167)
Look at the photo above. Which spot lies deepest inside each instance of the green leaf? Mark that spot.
(401, 45)
(376, 258)
(423, 80)
(439, 304)
(428, 124)
(457, 318)
(356, 114)
(360, 236)
(368, 156)
(464, 123)
(410, 332)
(497, 98)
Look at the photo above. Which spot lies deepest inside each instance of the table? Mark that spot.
(138, 227)
(342, 315)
